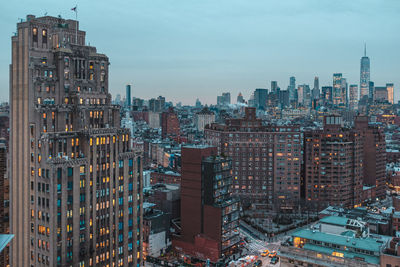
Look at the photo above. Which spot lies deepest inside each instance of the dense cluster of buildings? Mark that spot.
(87, 180)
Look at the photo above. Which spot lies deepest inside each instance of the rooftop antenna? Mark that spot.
(365, 49)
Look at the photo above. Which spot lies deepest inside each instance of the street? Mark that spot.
(257, 246)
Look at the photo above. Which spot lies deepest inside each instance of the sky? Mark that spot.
(188, 49)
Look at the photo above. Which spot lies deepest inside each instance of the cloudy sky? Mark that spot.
(188, 49)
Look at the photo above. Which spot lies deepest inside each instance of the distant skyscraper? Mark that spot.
(327, 95)
(344, 92)
(353, 96)
(240, 98)
(316, 83)
(227, 98)
(315, 91)
(364, 75)
(292, 88)
(339, 90)
(274, 86)
(224, 99)
(304, 95)
(198, 103)
(390, 90)
(260, 98)
(157, 105)
(128, 96)
(381, 94)
(371, 90)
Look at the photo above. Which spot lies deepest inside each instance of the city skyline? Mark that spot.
(176, 48)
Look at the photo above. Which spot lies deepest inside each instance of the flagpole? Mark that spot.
(76, 18)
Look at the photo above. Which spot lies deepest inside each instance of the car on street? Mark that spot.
(272, 254)
(257, 263)
(265, 253)
(274, 260)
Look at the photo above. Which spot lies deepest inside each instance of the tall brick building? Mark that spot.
(374, 155)
(333, 159)
(170, 124)
(76, 186)
(209, 214)
(266, 160)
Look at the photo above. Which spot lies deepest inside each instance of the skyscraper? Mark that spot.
(327, 95)
(240, 99)
(292, 88)
(364, 75)
(274, 87)
(224, 99)
(76, 186)
(390, 90)
(315, 91)
(304, 95)
(353, 96)
(371, 90)
(128, 96)
(339, 94)
(260, 98)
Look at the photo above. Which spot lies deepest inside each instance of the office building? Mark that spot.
(371, 88)
(339, 94)
(209, 214)
(240, 99)
(157, 105)
(304, 95)
(327, 96)
(260, 98)
(265, 159)
(315, 90)
(128, 96)
(390, 92)
(224, 99)
(381, 94)
(292, 89)
(353, 97)
(274, 87)
(365, 76)
(76, 186)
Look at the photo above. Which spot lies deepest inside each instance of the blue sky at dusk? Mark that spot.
(188, 49)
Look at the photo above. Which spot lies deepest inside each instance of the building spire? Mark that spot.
(365, 49)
